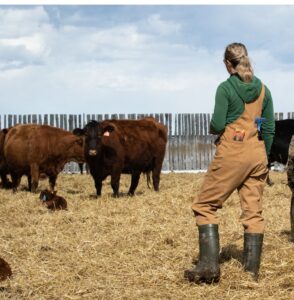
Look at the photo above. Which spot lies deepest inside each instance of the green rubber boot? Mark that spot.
(252, 253)
(207, 269)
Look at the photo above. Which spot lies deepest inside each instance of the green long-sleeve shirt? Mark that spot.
(231, 95)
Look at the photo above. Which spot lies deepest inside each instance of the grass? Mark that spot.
(135, 247)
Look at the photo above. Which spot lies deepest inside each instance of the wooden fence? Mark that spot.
(190, 146)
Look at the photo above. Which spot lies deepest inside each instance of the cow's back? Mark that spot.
(136, 142)
(139, 135)
(30, 143)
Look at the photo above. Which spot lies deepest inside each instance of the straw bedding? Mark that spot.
(135, 247)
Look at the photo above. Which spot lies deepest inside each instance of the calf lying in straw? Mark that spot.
(5, 270)
(52, 201)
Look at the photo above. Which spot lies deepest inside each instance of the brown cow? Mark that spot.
(5, 183)
(33, 149)
(131, 147)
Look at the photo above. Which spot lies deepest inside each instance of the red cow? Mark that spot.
(34, 149)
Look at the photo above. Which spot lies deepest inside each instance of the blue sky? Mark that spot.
(137, 58)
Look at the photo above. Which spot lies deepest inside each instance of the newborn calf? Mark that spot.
(5, 270)
(52, 201)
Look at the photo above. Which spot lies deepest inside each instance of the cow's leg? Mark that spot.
(134, 183)
(15, 181)
(52, 182)
(98, 186)
(35, 177)
(5, 182)
(156, 173)
(30, 182)
(81, 167)
(115, 178)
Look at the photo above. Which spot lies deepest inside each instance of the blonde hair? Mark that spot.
(237, 55)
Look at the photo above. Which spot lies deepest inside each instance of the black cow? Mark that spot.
(280, 147)
(281, 142)
(131, 147)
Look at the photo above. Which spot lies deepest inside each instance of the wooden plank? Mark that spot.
(51, 120)
(70, 123)
(205, 131)
(34, 119)
(9, 120)
(57, 120)
(197, 119)
(84, 120)
(201, 124)
(170, 153)
(75, 121)
(45, 119)
(80, 122)
(61, 122)
(65, 122)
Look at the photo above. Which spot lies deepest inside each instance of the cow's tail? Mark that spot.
(148, 177)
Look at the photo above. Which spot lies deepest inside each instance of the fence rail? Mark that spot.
(190, 146)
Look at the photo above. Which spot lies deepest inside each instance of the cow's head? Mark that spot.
(3, 133)
(93, 133)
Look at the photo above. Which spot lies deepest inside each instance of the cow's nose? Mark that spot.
(92, 152)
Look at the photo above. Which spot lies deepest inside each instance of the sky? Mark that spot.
(137, 58)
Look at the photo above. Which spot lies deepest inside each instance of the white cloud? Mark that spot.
(158, 25)
(136, 66)
(15, 22)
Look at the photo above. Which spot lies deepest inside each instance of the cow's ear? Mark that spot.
(78, 132)
(4, 130)
(108, 128)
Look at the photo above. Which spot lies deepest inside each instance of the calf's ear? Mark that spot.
(4, 130)
(78, 132)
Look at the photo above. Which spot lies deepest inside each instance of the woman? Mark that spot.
(242, 102)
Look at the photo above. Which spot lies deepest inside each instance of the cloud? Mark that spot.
(16, 22)
(161, 60)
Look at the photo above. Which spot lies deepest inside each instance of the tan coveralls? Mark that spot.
(237, 164)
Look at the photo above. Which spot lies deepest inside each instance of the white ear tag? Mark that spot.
(106, 133)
